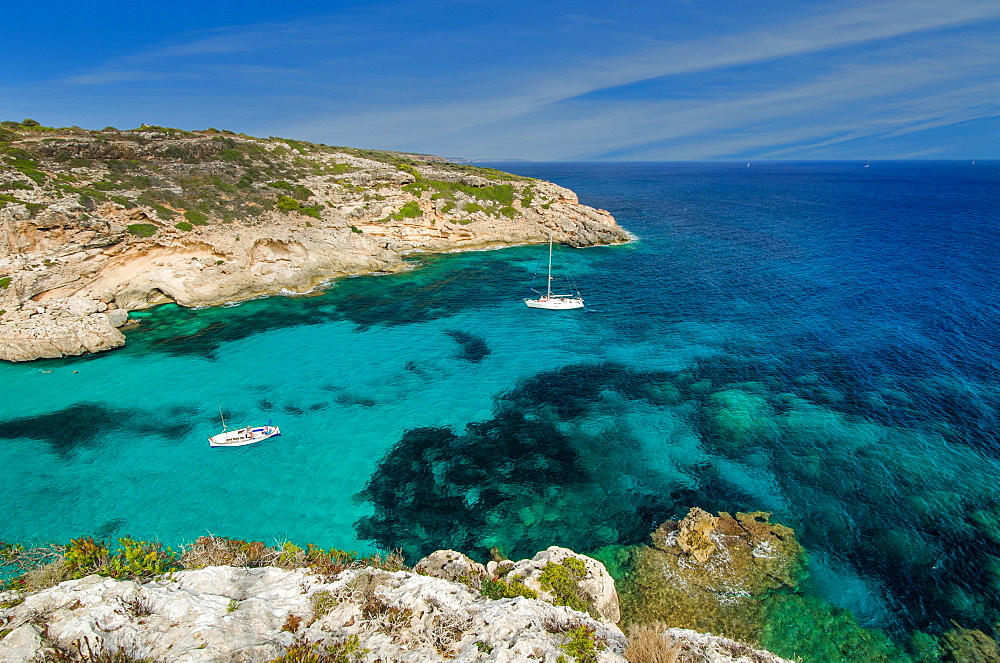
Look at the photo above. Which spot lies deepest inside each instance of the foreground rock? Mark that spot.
(258, 614)
(133, 219)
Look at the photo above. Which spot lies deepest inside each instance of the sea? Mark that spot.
(816, 340)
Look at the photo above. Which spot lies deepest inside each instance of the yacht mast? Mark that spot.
(548, 282)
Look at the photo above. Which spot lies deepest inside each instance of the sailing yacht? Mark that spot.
(550, 301)
(242, 436)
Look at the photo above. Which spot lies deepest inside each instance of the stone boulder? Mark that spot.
(59, 328)
(451, 565)
(556, 572)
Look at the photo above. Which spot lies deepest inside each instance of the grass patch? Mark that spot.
(4, 282)
(183, 225)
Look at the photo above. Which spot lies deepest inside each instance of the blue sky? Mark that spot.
(546, 81)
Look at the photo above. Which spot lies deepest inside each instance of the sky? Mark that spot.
(624, 80)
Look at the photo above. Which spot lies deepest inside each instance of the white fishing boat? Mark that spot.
(551, 301)
(242, 436)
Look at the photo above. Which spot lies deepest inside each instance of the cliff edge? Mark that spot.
(94, 224)
(445, 610)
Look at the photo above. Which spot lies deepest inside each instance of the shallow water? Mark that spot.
(818, 340)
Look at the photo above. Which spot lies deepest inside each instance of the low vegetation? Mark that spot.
(212, 176)
(39, 567)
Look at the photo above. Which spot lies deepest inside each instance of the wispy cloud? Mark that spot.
(821, 78)
(889, 95)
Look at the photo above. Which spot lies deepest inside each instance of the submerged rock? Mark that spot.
(709, 572)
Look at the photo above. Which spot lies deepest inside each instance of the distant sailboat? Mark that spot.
(868, 165)
(550, 301)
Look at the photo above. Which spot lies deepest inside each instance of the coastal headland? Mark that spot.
(94, 224)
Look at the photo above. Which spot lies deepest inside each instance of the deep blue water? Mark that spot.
(818, 340)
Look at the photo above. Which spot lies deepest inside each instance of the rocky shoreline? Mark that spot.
(707, 588)
(96, 224)
(439, 611)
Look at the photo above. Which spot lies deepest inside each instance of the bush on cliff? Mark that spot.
(142, 229)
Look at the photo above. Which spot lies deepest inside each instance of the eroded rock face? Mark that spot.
(709, 573)
(61, 327)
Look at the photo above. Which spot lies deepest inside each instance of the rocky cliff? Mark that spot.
(442, 611)
(94, 224)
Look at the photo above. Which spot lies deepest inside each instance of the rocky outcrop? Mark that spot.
(710, 572)
(61, 327)
(135, 219)
(591, 581)
(224, 613)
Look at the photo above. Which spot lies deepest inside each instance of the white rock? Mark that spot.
(597, 585)
(21, 644)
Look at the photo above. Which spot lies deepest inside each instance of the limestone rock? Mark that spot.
(61, 327)
(693, 534)
(227, 613)
(450, 565)
(716, 649)
(595, 586)
(21, 644)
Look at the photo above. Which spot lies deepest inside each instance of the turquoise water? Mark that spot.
(816, 340)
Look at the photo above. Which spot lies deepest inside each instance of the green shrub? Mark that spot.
(4, 282)
(16, 184)
(28, 122)
(287, 203)
(502, 589)
(322, 603)
(582, 645)
(164, 212)
(355, 229)
(294, 190)
(348, 650)
(183, 225)
(410, 210)
(85, 556)
(196, 217)
(310, 211)
(142, 229)
(140, 560)
(562, 580)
